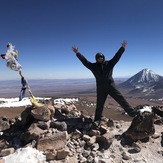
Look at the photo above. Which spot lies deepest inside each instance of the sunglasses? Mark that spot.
(100, 57)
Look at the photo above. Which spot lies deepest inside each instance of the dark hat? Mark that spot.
(98, 55)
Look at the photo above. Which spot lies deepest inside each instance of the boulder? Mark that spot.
(141, 127)
(55, 142)
(158, 110)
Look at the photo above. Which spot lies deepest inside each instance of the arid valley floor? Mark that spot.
(111, 110)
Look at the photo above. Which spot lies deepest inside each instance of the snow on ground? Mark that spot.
(26, 155)
(146, 108)
(14, 102)
(65, 100)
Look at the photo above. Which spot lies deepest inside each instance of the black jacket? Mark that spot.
(102, 72)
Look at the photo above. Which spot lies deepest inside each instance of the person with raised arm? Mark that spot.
(102, 70)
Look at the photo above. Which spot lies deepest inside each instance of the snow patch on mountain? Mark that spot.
(143, 77)
(144, 83)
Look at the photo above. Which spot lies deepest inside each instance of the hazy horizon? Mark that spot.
(49, 87)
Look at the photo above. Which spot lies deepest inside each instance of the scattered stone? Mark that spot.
(7, 151)
(61, 126)
(55, 142)
(125, 156)
(155, 136)
(62, 154)
(110, 123)
(104, 141)
(4, 124)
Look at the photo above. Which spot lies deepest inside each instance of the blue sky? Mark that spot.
(43, 31)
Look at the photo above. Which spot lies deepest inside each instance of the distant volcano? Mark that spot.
(142, 78)
(145, 82)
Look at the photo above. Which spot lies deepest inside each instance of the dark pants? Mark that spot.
(102, 94)
(22, 93)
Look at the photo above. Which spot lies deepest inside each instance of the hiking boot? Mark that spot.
(133, 113)
(96, 125)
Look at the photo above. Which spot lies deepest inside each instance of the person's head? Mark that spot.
(100, 58)
(3, 56)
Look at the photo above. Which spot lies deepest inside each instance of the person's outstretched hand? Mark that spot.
(75, 49)
(124, 43)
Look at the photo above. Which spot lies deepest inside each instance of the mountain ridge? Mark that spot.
(144, 83)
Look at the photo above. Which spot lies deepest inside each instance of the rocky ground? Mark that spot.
(80, 143)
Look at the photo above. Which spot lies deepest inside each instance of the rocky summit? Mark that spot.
(62, 133)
